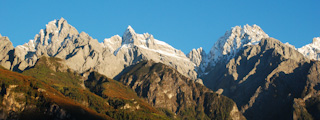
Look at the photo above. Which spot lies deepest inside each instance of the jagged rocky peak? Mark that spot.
(131, 39)
(235, 39)
(311, 50)
(196, 56)
(5, 48)
(5, 45)
(136, 47)
(58, 39)
(55, 32)
(316, 40)
(129, 35)
(4, 39)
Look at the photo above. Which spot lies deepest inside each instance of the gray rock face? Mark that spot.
(82, 52)
(198, 57)
(164, 87)
(264, 79)
(6, 49)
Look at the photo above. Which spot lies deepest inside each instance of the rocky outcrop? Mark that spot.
(307, 106)
(165, 87)
(264, 79)
(10, 102)
(199, 58)
(300, 112)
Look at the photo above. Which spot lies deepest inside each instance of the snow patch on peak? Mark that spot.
(130, 40)
(147, 40)
(158, 42)
(112, 40)
(312, 50)
(112, 43)
(162, 52)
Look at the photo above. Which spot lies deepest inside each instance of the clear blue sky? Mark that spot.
(184, 24)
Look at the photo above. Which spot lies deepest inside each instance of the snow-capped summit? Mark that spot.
(312, 50)
(228, 45)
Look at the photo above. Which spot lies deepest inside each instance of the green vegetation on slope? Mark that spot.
(66, 82)
(24, 97)
(102, 94)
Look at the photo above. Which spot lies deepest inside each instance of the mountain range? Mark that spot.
(253, 75)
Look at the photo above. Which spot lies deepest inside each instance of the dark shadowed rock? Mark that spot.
(264, 79)
(165, 87)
